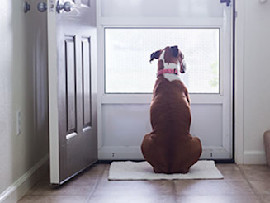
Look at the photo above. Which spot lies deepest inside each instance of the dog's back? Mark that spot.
(170, 108)
(170, 148)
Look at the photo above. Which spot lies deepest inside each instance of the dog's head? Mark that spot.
(169, 55)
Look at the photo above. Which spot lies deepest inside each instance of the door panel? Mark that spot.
(72, 47)
(86, 68)
(70, 83)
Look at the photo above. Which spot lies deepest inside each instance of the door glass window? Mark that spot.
(127, 53)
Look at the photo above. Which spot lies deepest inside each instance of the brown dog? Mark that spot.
(170, 148)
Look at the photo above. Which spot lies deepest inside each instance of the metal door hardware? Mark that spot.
(42, 6)
(226, 1)
(26, 7)
(66, 7)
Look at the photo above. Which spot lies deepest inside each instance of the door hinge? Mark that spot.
(226, 1)
(235, 14)
(51, 5)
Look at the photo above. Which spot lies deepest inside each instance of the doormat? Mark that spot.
(144, 171)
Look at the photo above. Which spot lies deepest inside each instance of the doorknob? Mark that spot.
(42, 6)
(66, 7)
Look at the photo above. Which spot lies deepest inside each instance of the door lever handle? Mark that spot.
(66, 7)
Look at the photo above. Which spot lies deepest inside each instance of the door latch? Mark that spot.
(66, 7)
(226, 1)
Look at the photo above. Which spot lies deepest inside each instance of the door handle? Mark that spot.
(42, 6)
(66, 7)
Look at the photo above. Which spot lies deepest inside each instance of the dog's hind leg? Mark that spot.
(197, 148)
(187, 155)
(196, 151)
(152, 154)
(147, 147)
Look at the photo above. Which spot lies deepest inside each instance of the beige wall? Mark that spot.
(252, 79)
(20, 91)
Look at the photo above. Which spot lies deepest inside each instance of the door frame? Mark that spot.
(53, 98)
(104, 22)
(238, 65)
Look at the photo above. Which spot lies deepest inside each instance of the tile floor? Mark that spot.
(241, 184)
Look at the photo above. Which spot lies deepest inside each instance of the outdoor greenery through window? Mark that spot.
(127, 53)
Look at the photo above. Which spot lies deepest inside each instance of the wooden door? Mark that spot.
(72, 87)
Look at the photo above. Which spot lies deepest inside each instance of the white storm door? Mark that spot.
(72, 87)
(128, 34)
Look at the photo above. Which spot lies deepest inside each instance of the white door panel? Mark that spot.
(126, 124)
(206, 123)
(124, 117)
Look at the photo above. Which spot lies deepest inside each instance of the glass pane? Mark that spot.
(127, 53)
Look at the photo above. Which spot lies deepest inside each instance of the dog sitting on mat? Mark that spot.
(170, 148)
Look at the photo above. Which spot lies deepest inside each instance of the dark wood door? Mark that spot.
(73, 140)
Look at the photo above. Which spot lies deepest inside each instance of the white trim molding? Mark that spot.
(239, 82)
(19, 188)
(53, 97)
(254, 157)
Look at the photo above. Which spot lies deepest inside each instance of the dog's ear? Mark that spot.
(174, 51)
(155, 55)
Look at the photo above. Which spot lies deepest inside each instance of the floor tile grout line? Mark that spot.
(96, 185)
(250, 185)
(102, 173)
(175, 192)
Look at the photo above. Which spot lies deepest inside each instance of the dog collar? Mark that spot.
(174, 71)
(167, 67)
(183, 65)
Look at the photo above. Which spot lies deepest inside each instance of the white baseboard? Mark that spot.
(134, 153)
(120, 153)
(19, 188)
(254, 157)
